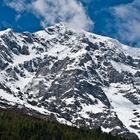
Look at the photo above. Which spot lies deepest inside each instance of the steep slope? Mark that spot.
(79, 78)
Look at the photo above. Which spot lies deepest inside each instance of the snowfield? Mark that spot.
(83, 79)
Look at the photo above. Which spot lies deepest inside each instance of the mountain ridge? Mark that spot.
(80, 78)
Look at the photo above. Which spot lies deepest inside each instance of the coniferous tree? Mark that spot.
(16, 126)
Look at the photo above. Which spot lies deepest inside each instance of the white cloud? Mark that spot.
(128, 22)
(18, 5)
(52, 12)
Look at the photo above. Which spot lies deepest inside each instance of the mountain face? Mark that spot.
(78, 78)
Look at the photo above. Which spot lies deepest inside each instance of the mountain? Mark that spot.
(72, 76)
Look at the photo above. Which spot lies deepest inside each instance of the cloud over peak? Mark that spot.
(51, 12)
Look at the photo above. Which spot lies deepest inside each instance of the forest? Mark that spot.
(18, 126)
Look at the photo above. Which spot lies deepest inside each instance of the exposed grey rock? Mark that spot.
(68, 74)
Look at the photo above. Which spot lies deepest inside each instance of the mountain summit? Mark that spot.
(75, 77)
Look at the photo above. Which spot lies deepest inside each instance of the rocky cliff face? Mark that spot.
(78, 78)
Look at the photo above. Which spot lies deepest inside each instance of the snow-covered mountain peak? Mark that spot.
(80, 78)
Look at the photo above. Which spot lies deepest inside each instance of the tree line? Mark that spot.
(16, 126)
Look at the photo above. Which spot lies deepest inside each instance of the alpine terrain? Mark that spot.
(75, 77)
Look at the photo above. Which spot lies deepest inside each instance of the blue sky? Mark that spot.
(119, 19)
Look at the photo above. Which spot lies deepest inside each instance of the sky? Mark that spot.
(119, 19)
